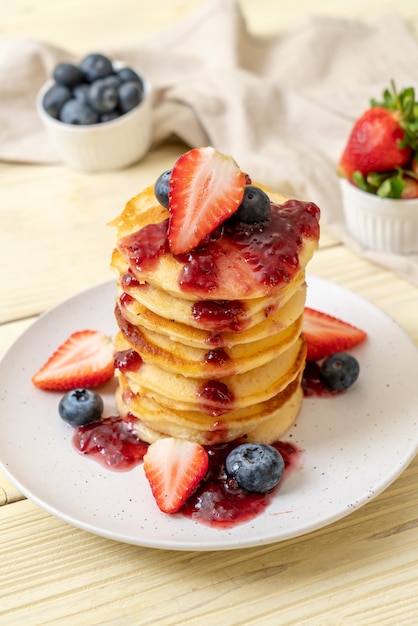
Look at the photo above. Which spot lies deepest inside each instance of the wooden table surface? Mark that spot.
(54, 242)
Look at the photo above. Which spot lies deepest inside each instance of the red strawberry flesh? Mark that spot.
(85, 359)
(206, 187)
(174, 468)
(326, 335)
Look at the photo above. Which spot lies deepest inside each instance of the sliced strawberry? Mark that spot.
(326, 334)
(174, 468)
(85, 359)
(206, 187)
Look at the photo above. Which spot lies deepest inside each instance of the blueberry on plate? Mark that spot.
(80, 407)
(255, 206)
(339, 371)
(76, 112)
(96, 66)
(130, 95)
(102, 97)
(55, 98)
(255, 466)
(68, 74)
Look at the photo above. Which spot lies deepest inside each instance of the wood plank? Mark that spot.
(352, 564)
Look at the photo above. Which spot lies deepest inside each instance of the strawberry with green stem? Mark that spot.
(381, 146)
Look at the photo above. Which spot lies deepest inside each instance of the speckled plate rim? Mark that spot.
(354, 446)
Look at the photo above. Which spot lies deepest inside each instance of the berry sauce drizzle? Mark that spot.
(269, 251)
(220, 315)
(218, 501)
(112, 442)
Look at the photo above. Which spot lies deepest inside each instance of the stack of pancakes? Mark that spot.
(207, 378)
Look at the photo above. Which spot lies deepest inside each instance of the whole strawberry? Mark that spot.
(381, 147)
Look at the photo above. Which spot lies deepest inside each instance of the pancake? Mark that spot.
(142, 241)
(240, 315)
(269, 323)
(210, 345)
(184, 392)
(265, 422)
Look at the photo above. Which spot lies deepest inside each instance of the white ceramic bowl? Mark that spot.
(381, 224)
(101, 147)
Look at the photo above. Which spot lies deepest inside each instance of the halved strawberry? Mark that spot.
(325, 334)
(206, 187)
(85, 359)
(174, 468)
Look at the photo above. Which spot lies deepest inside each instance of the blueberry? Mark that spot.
(81, 406)
(255, 466)
(108, 117)
(112, 81)
(339, 371)
(162, 188)
(255, 206)
(96, 66)
(81, 92)
(127, 74)
(55, 98)
(67, 74)
(75, 112)
(102, 97)
(130, 95)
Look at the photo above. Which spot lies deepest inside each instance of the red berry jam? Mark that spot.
(128, 280)
(127, 360)
(269, 250)
(220, 315)
(145, 246)
(125, 299)
(217, 356)
(215, 398)
(218, 501)
(312, 383)
(111, 442)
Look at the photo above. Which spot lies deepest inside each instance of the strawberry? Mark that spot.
(326, 335)
(383, 138)
(374, 144)
(174, 468)
(206, 187)
(85, 359)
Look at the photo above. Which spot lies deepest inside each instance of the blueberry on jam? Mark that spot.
(255, 206)
(255, 466)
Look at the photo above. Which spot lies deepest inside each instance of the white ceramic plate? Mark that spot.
(355, 445)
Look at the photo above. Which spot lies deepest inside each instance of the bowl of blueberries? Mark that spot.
(97, 113)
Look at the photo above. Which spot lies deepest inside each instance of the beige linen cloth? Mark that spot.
(282, 105)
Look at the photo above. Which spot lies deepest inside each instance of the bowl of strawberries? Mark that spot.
(378, 172)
